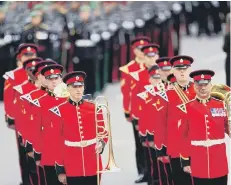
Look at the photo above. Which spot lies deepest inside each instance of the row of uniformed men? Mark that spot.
(56, 134)
(179, 128)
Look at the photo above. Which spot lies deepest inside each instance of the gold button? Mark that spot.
(208, 127)
(80, 122)
(81, 127)
(82, 137)
(208, 133)
(81, 132)
(79, 117)
(207, 121)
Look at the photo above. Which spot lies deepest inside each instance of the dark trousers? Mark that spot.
(88, 180)
(140, 161)
(32, 171)
(179, 176)
(23, 165)
(51, 176)
(155, 173)
(216, 181)
(227, 70)
(41, 175)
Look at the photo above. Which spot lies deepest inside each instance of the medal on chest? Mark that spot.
(218, 112)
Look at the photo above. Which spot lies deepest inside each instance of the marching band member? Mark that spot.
(165, 69)
(128, 83)
(76, 160)
(151, 52)
(21, 116)
(181, 93)
(17, 76)
(202, 130)
(45, 133)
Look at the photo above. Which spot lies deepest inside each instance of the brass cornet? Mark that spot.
(101, 107)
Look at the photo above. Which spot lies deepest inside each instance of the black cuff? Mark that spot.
(162, 152)
(134, 122)
(59, 169)
(143, 139)
(150, 137)
(20, 139)
(127, 115)
(10, 121)
(103, 143)
(29, 147)
(6, 118)
(37, 156)
(184, 162)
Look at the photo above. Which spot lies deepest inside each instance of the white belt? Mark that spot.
(208, 142)
(83, 143)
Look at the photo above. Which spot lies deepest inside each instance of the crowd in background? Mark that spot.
(95, 36)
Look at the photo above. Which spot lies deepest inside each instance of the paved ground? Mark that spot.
(207, 53)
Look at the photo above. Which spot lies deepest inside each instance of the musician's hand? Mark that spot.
(151, 144)
(11, 127)
(30, 154)
(187, 169)
(164, 159)
(98, 147)
(128, 119)
(62, 178)
(37, 163)
(137, 127)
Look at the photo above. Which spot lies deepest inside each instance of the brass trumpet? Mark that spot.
(101, 107)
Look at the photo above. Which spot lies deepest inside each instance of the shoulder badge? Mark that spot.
(163, 95)
(217, 99)
(26, 97)
(55, 110)
(10, 74)
(150, 89)
(142, 95)
(182, 107)
(124, 69)
(44, 26)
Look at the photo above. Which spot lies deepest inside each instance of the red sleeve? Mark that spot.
(126, 90)
(183, 125)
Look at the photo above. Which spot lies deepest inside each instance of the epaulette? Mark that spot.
(125, 67)
(19, 87)
(27, 27)
(56, 110)
(135, 74)
(10, 74)
(44, 26)
(182, 106)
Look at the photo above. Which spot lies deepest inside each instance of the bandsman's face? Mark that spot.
(164, 74)
(203, 90)
(27, 57)
(138, 53)
(42, 80)
(182, 75)
(53, 82)
(150, 61)
(76, 92)
(154, 81)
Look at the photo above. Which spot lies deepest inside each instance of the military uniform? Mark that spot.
(203, 136)
(21, 116)
(75, 154)
(128, 83)
(177, 97)
(44, 132)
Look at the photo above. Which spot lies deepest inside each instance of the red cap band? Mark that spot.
(75, 79)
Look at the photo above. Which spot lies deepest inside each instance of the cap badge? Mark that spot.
(77, 77)
(28, 48)
(52, 71)
(202, 76)
(141, 42)
(33, 63)
(181, 60)
(165, 63)
(150, 49)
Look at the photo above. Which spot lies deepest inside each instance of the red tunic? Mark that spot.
(76, 149)
(202, 132)
(20, 111)
(13, 78)
(173, 115)
(128, 83)
(46, 134)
